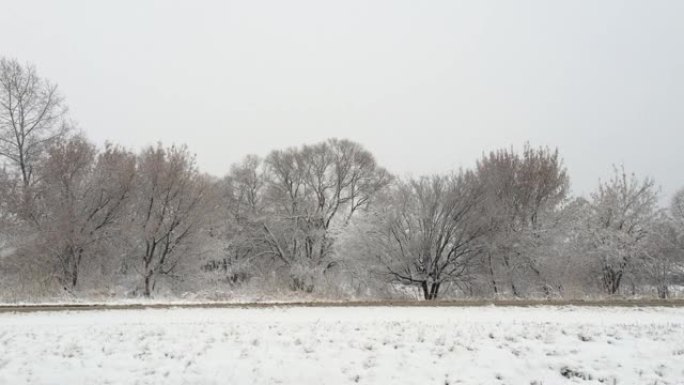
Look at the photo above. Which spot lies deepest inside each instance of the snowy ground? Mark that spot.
(338, 345)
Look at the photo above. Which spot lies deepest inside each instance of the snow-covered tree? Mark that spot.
(663, 260)
(32, 116)
(430, 233)
(289, 207)
(172, 203)
(524, 193)
(623, 212)
(82, 196)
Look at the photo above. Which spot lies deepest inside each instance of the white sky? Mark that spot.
(427, 86)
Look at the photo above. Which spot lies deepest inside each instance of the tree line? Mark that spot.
(320, 219)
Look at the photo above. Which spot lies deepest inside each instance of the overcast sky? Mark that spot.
(427, 86)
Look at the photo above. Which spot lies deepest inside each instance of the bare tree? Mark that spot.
(312, 193)
(524, 194)
(246, 182)
(238, 233)
(676, 258)
(8, 218)
(32, 115)
(433, 232)
(82, 196)
(663, 256)
(624, 208)
(570, 266)
(677, 208)
(9, 199)
(172, 203)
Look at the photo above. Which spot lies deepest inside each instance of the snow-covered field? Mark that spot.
(338, 345)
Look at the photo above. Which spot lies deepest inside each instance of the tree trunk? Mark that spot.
(147, 290)
(148, 282)
(491, 273)
(510, 274)
(74, 269)
(434, 291)
(663, 291)
(74, 276)
(430, 291)
(545, 286)
(611, 280)
(425, 290)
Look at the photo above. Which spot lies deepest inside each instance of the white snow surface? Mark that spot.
(345, 345)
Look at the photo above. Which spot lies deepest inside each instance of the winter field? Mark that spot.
(345, 345)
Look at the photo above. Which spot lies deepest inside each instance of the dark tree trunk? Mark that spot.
(611, 280)
(148, 282)
(545, 286)
(430, 291)
(663, 291)
(74, 277)
(491, 273)
(510, 274)
(147, 290)
(76, 263)
(301, 284)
